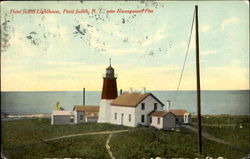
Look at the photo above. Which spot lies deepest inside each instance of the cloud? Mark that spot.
(69, 76)
(118, 51)
(57, 30)
(208, 52)
(228, 22)
(111, 39)
(225, 78)
(153, 78)
(205, 28)
(19, 49)
(156, 37)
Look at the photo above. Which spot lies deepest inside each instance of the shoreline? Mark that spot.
(21, 117)
(48, 116)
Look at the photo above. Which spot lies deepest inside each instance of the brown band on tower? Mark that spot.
(109, 89)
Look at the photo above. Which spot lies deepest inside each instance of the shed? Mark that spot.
(182, 116)
(59, 117)
(162, 120)
(86, 114)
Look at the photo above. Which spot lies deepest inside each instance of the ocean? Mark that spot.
(235, 102)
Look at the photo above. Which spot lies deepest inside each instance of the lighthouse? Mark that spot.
(109, 93)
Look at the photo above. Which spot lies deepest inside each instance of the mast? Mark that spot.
(198, 81)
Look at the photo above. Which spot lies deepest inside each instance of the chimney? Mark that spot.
(120, 91)
(83, 96)
(168, 105)
(130, 90)
(143, 90)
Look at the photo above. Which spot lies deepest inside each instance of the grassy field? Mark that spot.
(18, 136)
(19, 140)
(223, 119)
(77, 147)
(145, 143)
(234, 129)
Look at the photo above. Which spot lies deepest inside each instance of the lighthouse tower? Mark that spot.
(109, 93)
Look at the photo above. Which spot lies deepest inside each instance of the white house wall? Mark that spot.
(149, 107)
(125, 111)
(77, 117)
(155, 122)
(188, 119)
(91, 119)
(105, 111)
(52, 119)
(61, 119)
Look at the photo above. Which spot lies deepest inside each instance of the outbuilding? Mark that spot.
(59, 117)
(86, 114)
(182, 116)
(162, 120)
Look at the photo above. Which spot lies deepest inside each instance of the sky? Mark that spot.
(69, 51)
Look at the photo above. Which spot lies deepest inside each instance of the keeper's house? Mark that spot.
(133, 108)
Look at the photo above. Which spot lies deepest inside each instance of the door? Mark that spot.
(122, 119)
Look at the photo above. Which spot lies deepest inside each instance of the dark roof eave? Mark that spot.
(161, 114)
(148, 94)
(123, 105)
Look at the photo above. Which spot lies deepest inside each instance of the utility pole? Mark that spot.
(198, 81)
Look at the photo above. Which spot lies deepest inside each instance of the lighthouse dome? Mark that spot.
(110, 68)
(110, 72)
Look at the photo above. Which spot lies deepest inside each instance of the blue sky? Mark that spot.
(46, 52)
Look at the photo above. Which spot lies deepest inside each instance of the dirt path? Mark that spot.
(108, 147)
(218, 140)
(92, 133)
(84, 134)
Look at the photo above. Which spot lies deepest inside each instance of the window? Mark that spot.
(150, 119)
(81, 117)
(143, 106)
(155, 106)
(158, 121)
(129, 117)
(72, 119)
(115, 116)
(142, 118)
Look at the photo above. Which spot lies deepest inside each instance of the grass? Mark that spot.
(20, 137)
(234, 129)
(223, 119)
(78, 147)
(147, 143)
(21, 134)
